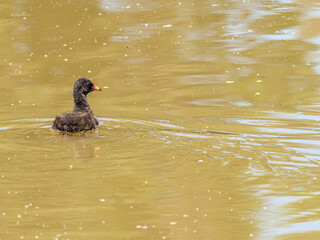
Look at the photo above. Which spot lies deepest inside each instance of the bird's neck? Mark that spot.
(80, 102)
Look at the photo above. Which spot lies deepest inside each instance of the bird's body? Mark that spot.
(75, 122)
(82, 117)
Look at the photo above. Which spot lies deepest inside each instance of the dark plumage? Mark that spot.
(82, 117)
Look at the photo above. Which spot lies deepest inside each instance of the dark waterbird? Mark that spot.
(82, 117)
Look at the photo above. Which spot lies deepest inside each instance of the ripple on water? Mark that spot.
(271, 139)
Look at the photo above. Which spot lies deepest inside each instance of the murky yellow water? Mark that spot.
(209, 120)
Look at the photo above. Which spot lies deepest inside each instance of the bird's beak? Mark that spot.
(96, 88)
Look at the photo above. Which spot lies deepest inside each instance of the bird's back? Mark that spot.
(75, 122)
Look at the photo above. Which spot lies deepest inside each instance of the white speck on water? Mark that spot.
(3, 213)
(89, 71)
(167, 25)
(58, 236)
(45, 55)
(66, 59)
(173, 223)
(185, 215)
(105, 87)
(128, 6)
(259, 81)
(70, 167)
(146, 24)
(250, 30)
(251, 235)
(230, 82)
(258, 93)
(164, 237)
(102, 200)
(200, 160)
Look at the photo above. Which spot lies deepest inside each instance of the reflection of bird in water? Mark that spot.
(82, 117)
(83, 147)
(83, 150)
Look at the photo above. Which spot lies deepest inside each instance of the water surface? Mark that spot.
(209, 115)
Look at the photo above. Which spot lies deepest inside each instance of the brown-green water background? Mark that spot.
(209, 120)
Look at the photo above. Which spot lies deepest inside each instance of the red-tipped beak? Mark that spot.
(96, 88)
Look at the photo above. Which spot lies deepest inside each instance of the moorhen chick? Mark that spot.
(82, 117)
